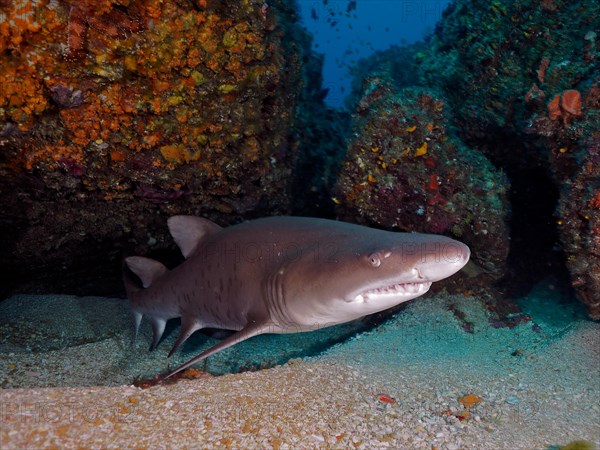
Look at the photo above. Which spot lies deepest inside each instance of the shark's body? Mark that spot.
(283, 275)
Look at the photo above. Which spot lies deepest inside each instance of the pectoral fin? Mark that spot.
(250, 330)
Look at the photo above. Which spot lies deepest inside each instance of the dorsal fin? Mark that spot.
(188, 231)
(147, 269)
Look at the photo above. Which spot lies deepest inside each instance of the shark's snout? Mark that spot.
(443, 259)
(458, 254)
(465, 254)
(407, 270)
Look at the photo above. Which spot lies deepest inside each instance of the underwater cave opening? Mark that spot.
(535, 252)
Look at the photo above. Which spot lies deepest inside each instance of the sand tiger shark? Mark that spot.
(282, 275)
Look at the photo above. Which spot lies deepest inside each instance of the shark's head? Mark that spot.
(354, 275)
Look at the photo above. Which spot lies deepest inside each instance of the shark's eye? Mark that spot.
(374, 260)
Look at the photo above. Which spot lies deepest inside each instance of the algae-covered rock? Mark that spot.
(579, 445)
(522, 80)
(406, 170)
(579, 223)
(568, 130)
(488, 58)
(115, 114)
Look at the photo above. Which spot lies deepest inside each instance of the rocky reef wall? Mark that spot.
(115, 114)
(521, 82)
(522, 79)
(405, 169)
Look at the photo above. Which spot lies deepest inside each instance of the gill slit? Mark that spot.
(275, 298)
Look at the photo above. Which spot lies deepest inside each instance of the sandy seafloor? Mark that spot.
(396, 386)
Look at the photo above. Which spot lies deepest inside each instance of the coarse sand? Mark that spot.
(418, 381)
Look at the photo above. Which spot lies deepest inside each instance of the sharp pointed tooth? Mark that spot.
(394, 289)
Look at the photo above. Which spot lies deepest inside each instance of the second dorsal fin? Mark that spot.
(147, 269)
(188, 231)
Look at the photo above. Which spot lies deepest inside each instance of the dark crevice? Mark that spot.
(535, 252)
(534, 247)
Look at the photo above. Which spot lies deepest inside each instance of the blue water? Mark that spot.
(345, 31)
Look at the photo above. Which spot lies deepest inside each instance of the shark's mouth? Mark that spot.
(395, 290)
